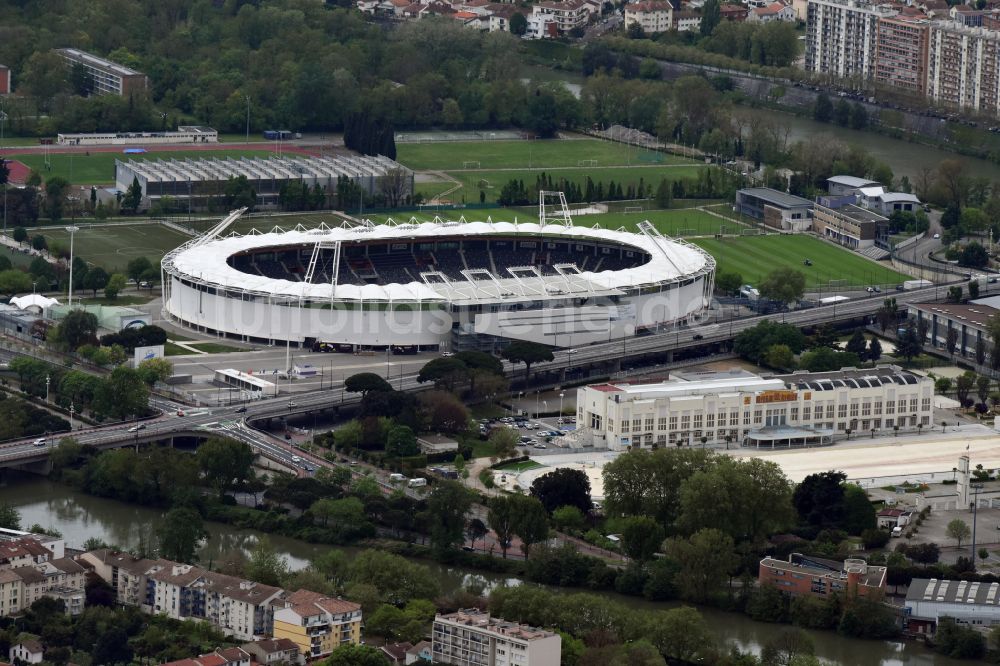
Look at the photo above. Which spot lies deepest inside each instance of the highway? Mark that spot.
(232, 420)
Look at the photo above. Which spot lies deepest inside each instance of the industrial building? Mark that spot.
(775, 209)
(109, 78)
(970, 322)
(471, 637)
(741, 408)
(184, 134)
(204, 179)
(928, 600)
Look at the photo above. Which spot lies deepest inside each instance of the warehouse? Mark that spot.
(204, 179)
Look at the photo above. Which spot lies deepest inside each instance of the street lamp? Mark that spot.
(48, 380)
(72, 410)
(72, 230)
(561, 394)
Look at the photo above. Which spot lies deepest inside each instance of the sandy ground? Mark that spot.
(928, 457)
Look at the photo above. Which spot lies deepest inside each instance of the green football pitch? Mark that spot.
(753, 257)
(99, 168)
(113, 246)
(538, 154)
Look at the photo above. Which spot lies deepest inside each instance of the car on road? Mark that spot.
(180, 412)
(39, 442)
(137, 428)
(292, 405)
(697, 336)
(936, 236)
(539, 446)
(446, 354)
(296, 459)
(241, 410)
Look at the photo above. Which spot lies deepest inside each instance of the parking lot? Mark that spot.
(537, 435)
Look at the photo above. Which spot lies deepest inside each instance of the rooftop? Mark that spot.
(96, 61)
(776, 197)
(954, 591)
(972, 313)
(307, 604)
(473, 617)
(852, 181)
(871, 576)
(859, 214)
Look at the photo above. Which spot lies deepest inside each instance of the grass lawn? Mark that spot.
(520, 466)
(491, 182)
(171, 349)
(19, 259)
(112, 247)
(540, 154)
(99, 168)
(754, 256)
(214, 347)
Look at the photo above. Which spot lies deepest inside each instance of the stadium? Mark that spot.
(435, 285)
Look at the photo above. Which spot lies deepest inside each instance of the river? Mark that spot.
(903, 157)
(79, 516)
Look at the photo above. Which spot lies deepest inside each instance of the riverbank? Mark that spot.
(79, 516)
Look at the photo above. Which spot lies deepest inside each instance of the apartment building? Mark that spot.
(841, 36)
(652, 16)
(25, 578)
(240, 608)
(901, 52)
(109, 78)
(317, 624)
(818, 577)
(963, 66)
(738, 407)
(471, 637)
(776, 11)
(686, 20)
(563, 16)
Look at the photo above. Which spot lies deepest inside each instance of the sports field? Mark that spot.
(539, 154)
(99, 168)
(112, 247)
(755, 256)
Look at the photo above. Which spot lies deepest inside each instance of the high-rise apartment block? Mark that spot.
(109, 78)
(953, 62)
(471, 637)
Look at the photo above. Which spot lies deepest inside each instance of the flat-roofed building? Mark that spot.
(472, 637)
(842, 185)
(841, 36)
(184, 134)
(739, 407)
(969, 321)
(963, 66)
(929, 600)
(848, 225)
(803, 576)
(776, 209)
(109, 78)
(651, 15)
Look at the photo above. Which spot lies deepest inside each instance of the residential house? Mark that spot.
(28, 650)
(316, 623)
(268, 651)
(890, 518)
(419, 653)
(776, 11)
(228, 657)
(652, 16)
(565, 15)
(686, 20)
(733, 12)
(500, 15)
(396, 653)
(818, 577)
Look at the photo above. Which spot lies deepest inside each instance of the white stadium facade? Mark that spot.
(435, 285)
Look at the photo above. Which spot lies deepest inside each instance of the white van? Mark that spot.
(397, 478)
(897, 531)
(417, 483)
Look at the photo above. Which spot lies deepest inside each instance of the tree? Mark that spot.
(823, 109)
(180, 533)
(779, 357)
(116, 284)
(224, 463)
(501, 517)
(504, 442)
(518, 24)
(112, 647)
(974, 255)
(859, 514)
(958, 530)
(122, 394)
(476, 530)
(568, 518)
(705, 561)
(531, 522)
(783, 284)
(13, 281)
(154, 370)
(963, 385)
(77, 328)
(95, 279)
(819, 499)
(641, 537)
(909, 343)
(983, 388)
(786, 647)
(447, 506)
(56, 189)
(355, 655)
(857, 344)
(710, 17)
(39, 243)
(529, 353)
(824, 359)
(10, 517)
(20, 234)
(727, 282)
(874, 350)
(887, 314)
(648, 483)
(136, 267)
(680, 634)
(265, 565)
(366, 382)
(133, 196)
(445, 372)
(401, 442)
(563, 486)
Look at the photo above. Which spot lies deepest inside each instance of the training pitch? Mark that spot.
(112, 247)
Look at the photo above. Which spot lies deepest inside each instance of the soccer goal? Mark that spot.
(586, 163)
(634, 209)
(840, 282)
(470, 164)
(691, 231)
(750, 232)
